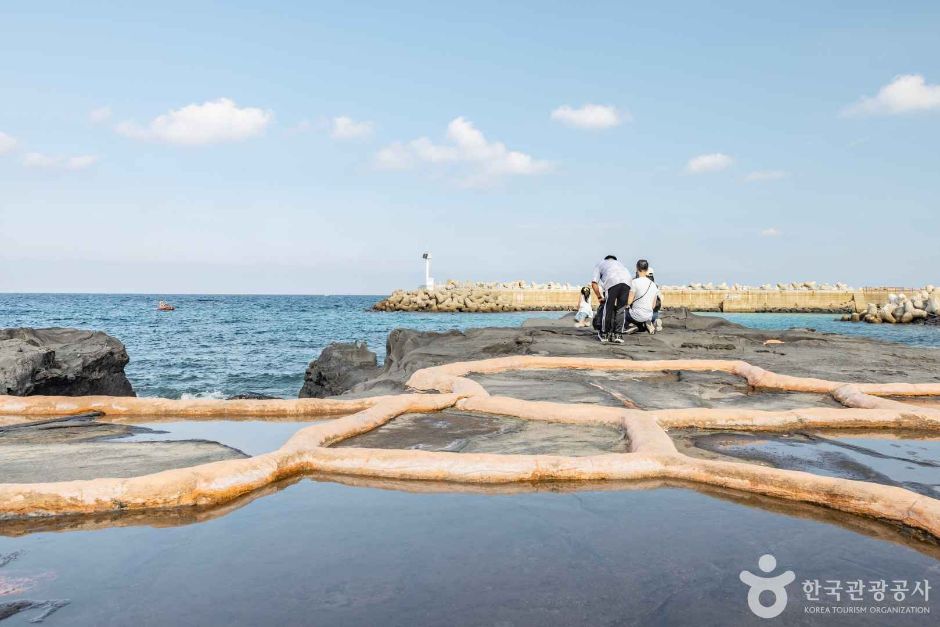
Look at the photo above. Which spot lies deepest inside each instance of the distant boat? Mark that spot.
(165, 306)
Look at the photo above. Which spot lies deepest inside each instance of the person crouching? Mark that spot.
(642, 301)
(585, 312)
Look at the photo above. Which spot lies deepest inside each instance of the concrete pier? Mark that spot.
(755, 300)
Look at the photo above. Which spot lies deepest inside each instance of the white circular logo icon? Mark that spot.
(776, 585)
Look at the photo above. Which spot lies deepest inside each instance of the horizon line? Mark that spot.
(46, 293)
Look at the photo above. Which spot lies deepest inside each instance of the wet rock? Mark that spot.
(84, 447)
(249, 396)
(908, 462)
(648, 391)
(338, 368)
(62, 362)
(44, 608)
(468, 432)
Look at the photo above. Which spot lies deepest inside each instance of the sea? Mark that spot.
(214, 346)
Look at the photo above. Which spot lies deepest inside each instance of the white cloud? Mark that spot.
(590, 116)
(766, 175)
(211, 122)
(344, 127)
(714, 162)
(99, 115)
(477, 160)
(7, 143)
(771, 232)
(80, 162)
(905, 94)
(39, 160)
(394, 157)
(49, 162)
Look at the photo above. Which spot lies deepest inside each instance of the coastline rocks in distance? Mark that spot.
(490, 297)
(62, 362)
(338, 368)
(811, 286)
(922, 307)
(455, 299)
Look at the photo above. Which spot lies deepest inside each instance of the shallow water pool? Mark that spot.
(320, 552)
(252, 437)
(908, 460)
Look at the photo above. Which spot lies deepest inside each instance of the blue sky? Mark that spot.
(320, 148)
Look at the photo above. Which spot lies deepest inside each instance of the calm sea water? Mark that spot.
(911, 334)
(216, 346)
(320, 553)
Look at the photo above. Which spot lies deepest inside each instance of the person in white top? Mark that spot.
(585, 311)
(611, 284)
(642, 300)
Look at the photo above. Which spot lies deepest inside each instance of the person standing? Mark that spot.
(611, 284)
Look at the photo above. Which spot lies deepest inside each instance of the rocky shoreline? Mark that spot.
(62, 362)
(541, 402)
(800, 352)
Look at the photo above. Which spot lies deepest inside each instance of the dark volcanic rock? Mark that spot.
(249, 396)
(803, 352)
(62, 362)
(339, 368)
(469, 432)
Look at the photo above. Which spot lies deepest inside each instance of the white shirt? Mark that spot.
(646, 292)
(609, 273)
(585, 306)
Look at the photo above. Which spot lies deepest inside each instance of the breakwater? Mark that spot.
(922, 307)
(808, 297)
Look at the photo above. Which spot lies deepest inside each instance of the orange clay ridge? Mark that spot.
(652, 453)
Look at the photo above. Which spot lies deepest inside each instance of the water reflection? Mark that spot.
(318, 551)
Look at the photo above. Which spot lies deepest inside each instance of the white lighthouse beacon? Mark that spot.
(428, 279)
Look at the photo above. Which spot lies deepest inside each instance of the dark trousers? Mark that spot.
(616, 298)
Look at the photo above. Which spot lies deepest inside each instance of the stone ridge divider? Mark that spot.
(190, 408)
(441, 378)
(652, 453)
(205, 484)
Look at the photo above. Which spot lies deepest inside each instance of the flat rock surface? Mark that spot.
(643, 390)
(468, 432)
(908, 460)
(83, 447)
(803, 352)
